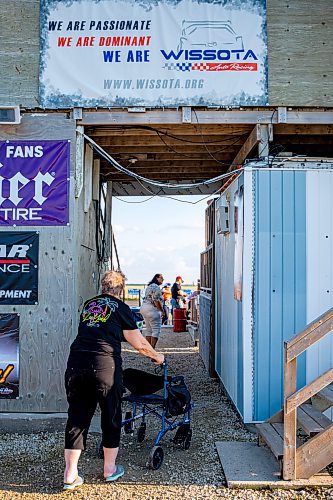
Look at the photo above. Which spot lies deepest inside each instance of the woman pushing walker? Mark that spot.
(94, 376)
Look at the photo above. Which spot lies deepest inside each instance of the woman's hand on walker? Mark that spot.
(158, 359)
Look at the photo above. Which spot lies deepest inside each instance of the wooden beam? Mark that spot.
(251, 142)
(308, 139)
(308, 391)
(88, 176)
(315, 454)
(155, 140)
(218, 116)
(311, 334)
(287, 129)
(161, 148)
(170, 156)
(159, 177)
(290, 420)
(180, 130)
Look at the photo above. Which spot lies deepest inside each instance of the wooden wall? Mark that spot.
(67, 276)
(300, 47)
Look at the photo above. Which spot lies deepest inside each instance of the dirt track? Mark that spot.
(32, 464)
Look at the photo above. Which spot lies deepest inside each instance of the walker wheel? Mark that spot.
(129, 426)
(99, 450)
(187, 441)
(155, 459)
(181, 434)
(141, 434)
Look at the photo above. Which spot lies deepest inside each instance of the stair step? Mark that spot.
(327, 394)
(311, 420)
(272, 435)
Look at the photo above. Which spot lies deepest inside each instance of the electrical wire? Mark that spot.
(132, 202)
(226, 146)
(173, 136)
(124, 170)
(205, 144)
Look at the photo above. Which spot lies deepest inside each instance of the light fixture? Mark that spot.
(10, 115)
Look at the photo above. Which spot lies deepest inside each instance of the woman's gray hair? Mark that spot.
(113, 282)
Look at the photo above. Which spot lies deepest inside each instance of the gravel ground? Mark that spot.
(32, 464)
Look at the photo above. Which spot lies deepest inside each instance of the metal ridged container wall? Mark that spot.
(286, 278)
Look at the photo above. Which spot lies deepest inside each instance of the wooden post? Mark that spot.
(290, 425)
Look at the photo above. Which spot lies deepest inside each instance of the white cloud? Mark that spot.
(165, 238)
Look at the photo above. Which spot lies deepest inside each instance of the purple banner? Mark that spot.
(34, 183)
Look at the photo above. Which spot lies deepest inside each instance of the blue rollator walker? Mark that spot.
(172, 409)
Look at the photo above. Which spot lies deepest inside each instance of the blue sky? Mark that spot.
(159, 236)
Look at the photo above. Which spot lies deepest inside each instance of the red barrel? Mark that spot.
(179, 320)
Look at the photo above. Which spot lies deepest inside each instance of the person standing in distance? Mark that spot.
(152, 309)
(94, 376)
(177, 293)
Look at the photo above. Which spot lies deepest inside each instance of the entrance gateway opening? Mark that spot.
(188, 151)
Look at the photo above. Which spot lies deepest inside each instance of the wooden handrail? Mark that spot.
(294, 460)
(299, 397)
(314, 331)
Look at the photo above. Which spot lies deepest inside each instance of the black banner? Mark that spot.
(19, 267)
(9, 356)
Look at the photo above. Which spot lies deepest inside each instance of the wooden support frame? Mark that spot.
(310, 335)
(88, 176)
(251, 142)
(218, 116)
(308, 391)
(260, 136)
(290, 422)
(317, 453)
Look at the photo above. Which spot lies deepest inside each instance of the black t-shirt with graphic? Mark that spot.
(102, 321)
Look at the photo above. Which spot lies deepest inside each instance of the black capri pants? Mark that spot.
(91, 380)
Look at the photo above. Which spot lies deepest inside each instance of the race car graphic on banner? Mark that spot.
(34, 183)
(9, 356)
(153, 53)
(19, 267)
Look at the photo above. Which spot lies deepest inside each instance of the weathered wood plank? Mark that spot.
(297, 30)
(88, 176)
(290, 422)
(276, 418)
(306, 422)
(316, 415)
(156, 117)
(251, 142)
(315, 454)
(272, 438)
(278, 426)
(308, 391)
(302, 130)
(230, 132)
(327, 394)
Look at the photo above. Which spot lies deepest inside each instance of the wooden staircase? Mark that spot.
(302, 409)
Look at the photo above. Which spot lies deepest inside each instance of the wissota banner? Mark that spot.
(153, 53)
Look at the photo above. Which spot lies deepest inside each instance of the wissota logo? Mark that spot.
(213, 45)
